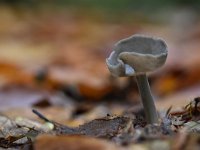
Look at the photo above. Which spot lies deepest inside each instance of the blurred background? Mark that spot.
(52, 53)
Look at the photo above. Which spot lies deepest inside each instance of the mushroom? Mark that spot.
(136, 56)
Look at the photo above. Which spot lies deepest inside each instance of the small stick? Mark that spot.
(41, 116)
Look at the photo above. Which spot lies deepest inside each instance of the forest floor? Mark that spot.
(56, 91)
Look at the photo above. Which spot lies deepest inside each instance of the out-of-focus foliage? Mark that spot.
(111, 5)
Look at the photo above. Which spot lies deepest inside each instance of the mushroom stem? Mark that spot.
(147, 99)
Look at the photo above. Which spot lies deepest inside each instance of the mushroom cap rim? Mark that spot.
(140, 36)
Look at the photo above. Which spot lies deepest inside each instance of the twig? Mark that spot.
(41, 116)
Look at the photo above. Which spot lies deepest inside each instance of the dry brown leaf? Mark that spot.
(49, 142)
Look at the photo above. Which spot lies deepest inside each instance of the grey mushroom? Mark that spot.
(136, 56)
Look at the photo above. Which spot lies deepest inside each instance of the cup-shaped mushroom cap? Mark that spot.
(137, 54)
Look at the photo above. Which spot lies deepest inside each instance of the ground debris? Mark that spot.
(19, 133)
(125, 131)
(16, 142)
(12, 135)
(106, 127)
(119, 129)
(189, 116)
(185, 140)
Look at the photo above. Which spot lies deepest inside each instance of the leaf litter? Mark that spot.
(121, 130)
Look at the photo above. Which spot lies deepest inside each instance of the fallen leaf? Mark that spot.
(49, 142)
